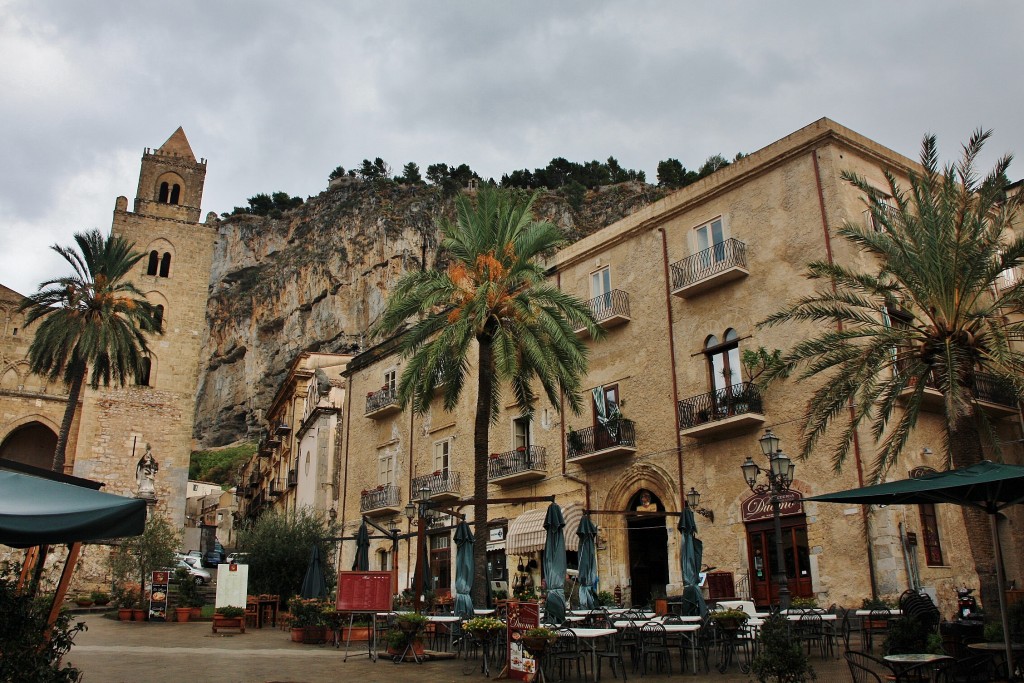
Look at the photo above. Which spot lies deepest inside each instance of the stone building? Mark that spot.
(115, 426)
(679, 287)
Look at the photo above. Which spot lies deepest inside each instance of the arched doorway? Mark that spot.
(761, 547)
(30, 444)
(648, 548)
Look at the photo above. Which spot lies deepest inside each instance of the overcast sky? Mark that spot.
(277, 94)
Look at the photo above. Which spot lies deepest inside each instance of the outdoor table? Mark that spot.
(999, 648)
(445, 619)
(795, 616)
(591, 635)
(867, 612)
(483, 612)
(902, 662)
(266, 604)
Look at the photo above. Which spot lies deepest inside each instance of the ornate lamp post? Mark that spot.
(693, 502)
(779, 477)
(420, 512)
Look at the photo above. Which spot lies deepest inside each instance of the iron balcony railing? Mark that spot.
(282, 429)
(513, 462)
(738, 399)
(380, 497)
(986, 387)
(589, 440)
(274, 489)
(436, 483)
(610, 304)
(702, 265)
(293, 478)
(381, 399)
(254, 477)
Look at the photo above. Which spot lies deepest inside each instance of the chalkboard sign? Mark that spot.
(364, 592)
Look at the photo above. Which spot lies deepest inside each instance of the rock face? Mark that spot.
(318, 277)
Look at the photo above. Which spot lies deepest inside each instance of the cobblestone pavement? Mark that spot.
(112, 652)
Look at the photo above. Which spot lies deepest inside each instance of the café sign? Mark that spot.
(759, 507)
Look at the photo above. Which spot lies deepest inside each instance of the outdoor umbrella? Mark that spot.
(987, 485)
(691, 555)
(313, 584)
(554, 565)
(463, 570)
(587, 562)
(362, 561)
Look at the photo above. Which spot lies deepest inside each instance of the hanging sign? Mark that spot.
(521, 616)
(759, 507)
(158, 596)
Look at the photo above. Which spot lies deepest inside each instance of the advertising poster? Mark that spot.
(158, 596)
(232, 585)
(522, 616)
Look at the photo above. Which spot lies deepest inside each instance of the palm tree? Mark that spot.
(492, 292)
(930, 312)
(92, 322)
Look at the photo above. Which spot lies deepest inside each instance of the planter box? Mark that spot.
(315, 635)
(228, 622)
(298, 634)
(356, 634)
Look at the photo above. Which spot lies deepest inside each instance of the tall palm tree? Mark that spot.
(930, 312)
(92, 322)
(491, 300)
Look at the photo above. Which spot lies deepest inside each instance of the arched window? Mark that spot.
(723, 359)
(159, 316)
(154, 262)
(164, 193)
(175, 193)
(165, 264)
(142, 379)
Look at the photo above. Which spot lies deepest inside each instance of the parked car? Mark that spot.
(199, 575)
(238, 558)
(192, 560)
(214, 557)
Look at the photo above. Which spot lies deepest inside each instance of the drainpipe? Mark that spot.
(408, 545)
(856, 441)
(344, 424)
(672, 365)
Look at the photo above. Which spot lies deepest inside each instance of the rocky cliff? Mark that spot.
(316, 278)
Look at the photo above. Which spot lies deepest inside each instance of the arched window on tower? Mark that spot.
(154, 262)
(165, 265)
(175, 193)
(142, 379)
(165, 190)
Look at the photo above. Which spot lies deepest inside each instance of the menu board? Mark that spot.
(232, 585)
(364, 592)
(521, 616)
(158, 596)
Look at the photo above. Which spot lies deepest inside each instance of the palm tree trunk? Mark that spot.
(69, 417)
(481, 432)
(965, 447)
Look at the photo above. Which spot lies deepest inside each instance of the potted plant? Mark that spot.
(83, 600)
(483, 627)
(100, 598)
(538, 639)
(125, 599)
(308, 624)
(729, 620)
(188, 595)
(804, 603)
(409, 626)
(779, 659)
(229, 617)
(575, 441)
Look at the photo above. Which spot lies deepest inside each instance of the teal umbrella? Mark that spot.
(362, 560)
(989, 486)
(587, 562)
(691, 556)
(314, 585)
(554, 564)
(463, 570)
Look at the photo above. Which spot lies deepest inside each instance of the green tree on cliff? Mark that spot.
(92, 322)
(491, 308)
(926, 310)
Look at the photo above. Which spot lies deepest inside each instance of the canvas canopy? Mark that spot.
(36, 511)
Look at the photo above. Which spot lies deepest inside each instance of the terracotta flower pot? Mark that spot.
(182, 614)
(124, 613)
(298, 634)
(195, 612)
(138, 615)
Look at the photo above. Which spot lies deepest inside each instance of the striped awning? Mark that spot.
(526, 532)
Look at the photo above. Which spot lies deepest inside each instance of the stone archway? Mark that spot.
(32, 443)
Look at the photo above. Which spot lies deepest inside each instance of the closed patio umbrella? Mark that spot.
(362, 559)
(463, 570)
(554, 564)
(987, 485)
(314, 584)
(691, 556)
(587, 562)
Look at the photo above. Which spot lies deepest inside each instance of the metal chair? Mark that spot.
(654, 645)
(610, 648)
(865, 668)
(877, 622)
(566, 654)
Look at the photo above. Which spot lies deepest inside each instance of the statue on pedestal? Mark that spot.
(145, 474)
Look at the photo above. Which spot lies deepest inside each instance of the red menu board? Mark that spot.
(364, 592)
(521, 616)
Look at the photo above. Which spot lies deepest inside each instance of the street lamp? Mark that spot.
(693, 502)
(779, 477)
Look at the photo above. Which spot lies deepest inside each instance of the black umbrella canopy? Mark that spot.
(314, 585)
(988, 485)
(362, 559)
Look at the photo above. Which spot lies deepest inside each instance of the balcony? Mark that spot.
(282, 429)
(383, 500)
(293, 478)
(254, 477)
(264, 450)
(991, 394)
(274, 490)
(593, 444)
(442, 485)
(517, 466)
(273, 441)
(609, 310)
(731, 409)
(710, 268)
(382, 403)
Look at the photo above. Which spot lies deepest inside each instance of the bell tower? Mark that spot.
(156, 414)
